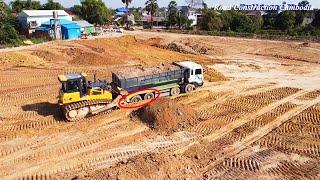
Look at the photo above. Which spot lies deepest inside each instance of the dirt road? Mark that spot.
(261, 121)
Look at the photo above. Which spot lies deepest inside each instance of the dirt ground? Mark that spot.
(257, 116)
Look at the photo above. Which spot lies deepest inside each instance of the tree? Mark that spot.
(152, 7)
(211, 20)
(31, 5)
(18, 5)
(8, 33)
(316, 21)
(95, 11)
(286, 20)
(76, 9)
(300, 15)
(172, 13)
(137, 14)
(50, 5)
(127, 2)
(269, 19)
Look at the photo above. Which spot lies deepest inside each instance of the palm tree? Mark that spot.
(127, 2)
(152, 8)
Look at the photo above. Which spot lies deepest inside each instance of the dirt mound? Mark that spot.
(49, 55)
(149, 166)
(212, 75)
(167, 116)
(21, 59)
(181, 47)
(178, 47)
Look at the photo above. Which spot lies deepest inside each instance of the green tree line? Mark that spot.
(284, 22)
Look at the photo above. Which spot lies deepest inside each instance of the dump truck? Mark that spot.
(79, 98)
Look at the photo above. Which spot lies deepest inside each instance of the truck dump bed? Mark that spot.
(138, 77)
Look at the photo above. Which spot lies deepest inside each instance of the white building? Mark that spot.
(190, 13)
(31, 19)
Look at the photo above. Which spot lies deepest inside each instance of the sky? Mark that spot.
(164, 3)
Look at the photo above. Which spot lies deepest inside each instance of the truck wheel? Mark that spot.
(136, 99)
(188, 88)
(175, 91)
(148, 96)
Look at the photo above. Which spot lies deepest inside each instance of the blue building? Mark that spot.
(69, 29)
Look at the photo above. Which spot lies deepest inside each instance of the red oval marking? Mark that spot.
(140, 104)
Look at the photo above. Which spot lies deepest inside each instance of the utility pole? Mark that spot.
(56, 26)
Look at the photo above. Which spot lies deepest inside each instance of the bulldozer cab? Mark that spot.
(72, 83)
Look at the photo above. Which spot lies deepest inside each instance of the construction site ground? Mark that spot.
(256, 117)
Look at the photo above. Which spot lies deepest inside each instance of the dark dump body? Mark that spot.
(135, 78)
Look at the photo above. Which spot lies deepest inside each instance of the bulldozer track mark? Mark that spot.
(269, 116)
(311, 95)
(239, 163)
(38, 92)
(5, 138)
(245, 119)
(106, 158)
(263, 131)
(308, 117)
(74, 146)
(15, 91)
(283, 144)
(25, 125)
(290, 170)
(204, 128)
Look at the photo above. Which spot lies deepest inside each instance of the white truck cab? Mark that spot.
(194, 72)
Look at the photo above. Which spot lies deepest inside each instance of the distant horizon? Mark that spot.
(164, 3)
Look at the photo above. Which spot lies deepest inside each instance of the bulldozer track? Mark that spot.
(78, 105)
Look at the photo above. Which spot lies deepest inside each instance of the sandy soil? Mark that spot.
(259, 116)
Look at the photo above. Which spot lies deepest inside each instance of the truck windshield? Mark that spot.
(198, 71)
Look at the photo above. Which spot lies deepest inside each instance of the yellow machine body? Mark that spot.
(90, 93)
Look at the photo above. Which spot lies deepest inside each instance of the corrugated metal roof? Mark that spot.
(84, 24)
(36, 13)
(71, 26)
(61, 22)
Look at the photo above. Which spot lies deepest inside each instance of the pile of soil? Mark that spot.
(212, 75)
(22, 59)
(178, 47)
(167, 116)
(135, 71)
(51, 55)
